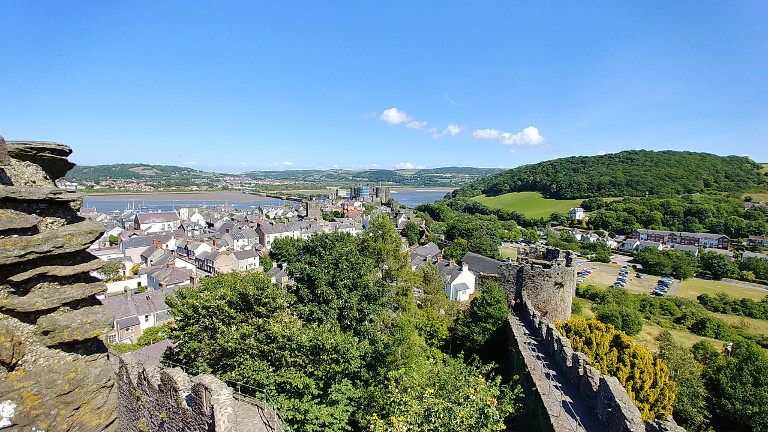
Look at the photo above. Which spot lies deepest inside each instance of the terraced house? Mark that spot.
(670, 238)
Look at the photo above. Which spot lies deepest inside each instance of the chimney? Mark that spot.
(453, 262)
(128, 293)
(464, 266)
(214, 242)
(258, 223)
(440, 255)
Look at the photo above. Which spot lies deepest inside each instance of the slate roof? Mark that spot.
(245, 254)
(137, 242)
(748, 254)
(158, 217)
(681, 233)
(427, 249)
(481, 264)
(448, 272)
(169, 275)
(145, 303)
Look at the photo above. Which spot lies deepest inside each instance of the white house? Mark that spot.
(462, 285)
(576, 213)
(157, 222)
(245, 260)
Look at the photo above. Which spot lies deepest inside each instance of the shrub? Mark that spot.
(613, 353)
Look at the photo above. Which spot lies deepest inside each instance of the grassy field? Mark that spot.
(691, 288)
(758, 197)
(508, 252)
(647, 337)
(531, 204)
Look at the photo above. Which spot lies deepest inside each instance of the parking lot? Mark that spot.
(605, 275)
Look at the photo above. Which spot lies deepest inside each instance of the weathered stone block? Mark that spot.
(74, 326)
(50, 156)
(50, 297)
(69, 238)
(85, 263)
(14, 220)
(590, 382)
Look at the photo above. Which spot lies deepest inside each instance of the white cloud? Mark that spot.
(600, 152)
(450, 130)
(370, 114)
(394, 116)
(416, 125)
(529, 137)
(190, 163)
(243, 164)
(404, 165)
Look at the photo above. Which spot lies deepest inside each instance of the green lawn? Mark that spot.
(691, 288)
(508, 252)
(531, 204)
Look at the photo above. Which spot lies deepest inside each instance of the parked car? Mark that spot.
(639, 276)
(579, 280)
(657, 293)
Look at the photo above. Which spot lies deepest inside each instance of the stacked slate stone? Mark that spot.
(54, 370)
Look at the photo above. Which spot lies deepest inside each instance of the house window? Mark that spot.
(111, 338)
(146, 318)
(128, 329)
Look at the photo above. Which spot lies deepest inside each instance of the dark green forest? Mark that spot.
(628, 173)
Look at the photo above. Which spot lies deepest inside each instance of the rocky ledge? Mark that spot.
(54, 371)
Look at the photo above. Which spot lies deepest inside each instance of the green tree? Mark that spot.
(240, 327)
(738, 389)
(623, 318)
(441, 394)
(411, 233)
(689, 409)
(456, 250)
(336, 283)
(476, 326)
(113, 240)
(266, 262)
(112, 270)
(381, 244)
(717, 265)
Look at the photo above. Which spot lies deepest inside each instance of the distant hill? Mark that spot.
(134, 172)
(437, 177)
(434, 177)
(627, 173)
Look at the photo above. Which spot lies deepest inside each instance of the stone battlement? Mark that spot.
(546, 277)
(159, 400)
(604, 394)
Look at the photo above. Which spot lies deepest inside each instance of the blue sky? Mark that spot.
(288, 85)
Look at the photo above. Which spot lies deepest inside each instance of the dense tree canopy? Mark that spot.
(340, 349)
(627, 173)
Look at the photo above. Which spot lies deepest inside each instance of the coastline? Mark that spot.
(178, 196)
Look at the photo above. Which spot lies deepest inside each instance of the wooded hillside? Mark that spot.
(627, 173)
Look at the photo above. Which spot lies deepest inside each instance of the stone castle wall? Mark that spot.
(167, 400)
(544, 276)
(605, 394)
